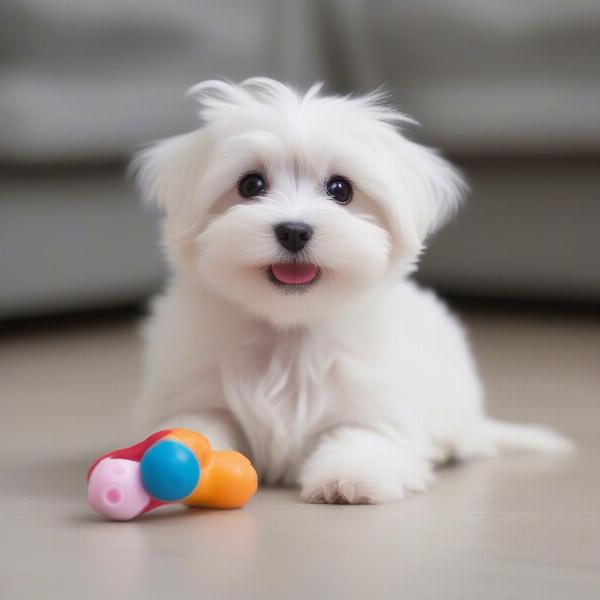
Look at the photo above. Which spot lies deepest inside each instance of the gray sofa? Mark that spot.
(510, 91)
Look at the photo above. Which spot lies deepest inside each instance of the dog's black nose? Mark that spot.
(294, 235)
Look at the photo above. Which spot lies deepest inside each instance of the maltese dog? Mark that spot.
(290, 329)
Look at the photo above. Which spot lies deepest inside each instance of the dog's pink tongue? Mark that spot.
(293, 273)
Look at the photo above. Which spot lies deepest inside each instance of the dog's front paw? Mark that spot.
(376, 473)
(337, 491)
(370, 490)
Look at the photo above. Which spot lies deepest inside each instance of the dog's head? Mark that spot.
(294, 204)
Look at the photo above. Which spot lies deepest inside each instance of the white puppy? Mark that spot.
(289, 329)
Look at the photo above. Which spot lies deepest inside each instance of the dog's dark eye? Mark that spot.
(339, 189)
(252, 185)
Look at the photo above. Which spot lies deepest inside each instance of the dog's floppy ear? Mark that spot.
(434, 187)
(167, 172)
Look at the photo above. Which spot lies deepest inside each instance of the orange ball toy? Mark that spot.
(173, 465)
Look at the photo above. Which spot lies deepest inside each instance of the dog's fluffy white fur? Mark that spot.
(355, 386)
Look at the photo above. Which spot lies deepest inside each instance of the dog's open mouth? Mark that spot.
(294, 276)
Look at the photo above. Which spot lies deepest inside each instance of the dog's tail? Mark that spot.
(515, 436)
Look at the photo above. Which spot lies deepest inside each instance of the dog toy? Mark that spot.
(173, 465)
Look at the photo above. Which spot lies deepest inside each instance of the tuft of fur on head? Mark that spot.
(297, 140)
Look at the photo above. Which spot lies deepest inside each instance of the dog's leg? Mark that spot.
(219, 426)
(360, 466)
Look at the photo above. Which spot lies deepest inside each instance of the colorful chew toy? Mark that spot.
(173, 465)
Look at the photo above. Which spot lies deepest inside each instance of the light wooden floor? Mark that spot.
(518, 527)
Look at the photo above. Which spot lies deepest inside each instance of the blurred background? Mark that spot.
(510, 91)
